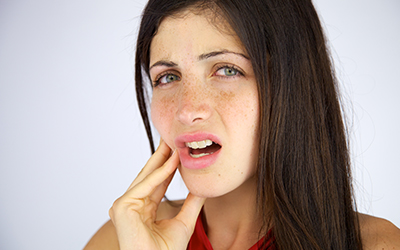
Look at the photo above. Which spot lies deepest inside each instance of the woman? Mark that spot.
(245, 102)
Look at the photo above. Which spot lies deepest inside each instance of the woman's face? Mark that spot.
(205, 102)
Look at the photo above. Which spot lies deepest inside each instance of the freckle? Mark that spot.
(219, 175)
(228, 95)
(241, 172)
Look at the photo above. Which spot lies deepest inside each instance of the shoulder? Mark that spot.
(378, 234)
(106, 237)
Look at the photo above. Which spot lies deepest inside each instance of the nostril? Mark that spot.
(196, 119)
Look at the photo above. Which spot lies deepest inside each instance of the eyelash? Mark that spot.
(156, 82)
(229, 66)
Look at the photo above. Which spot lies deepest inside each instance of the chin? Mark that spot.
(205, 192)
(206, 185)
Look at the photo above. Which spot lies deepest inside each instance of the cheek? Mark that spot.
(162, 115)
(239, 109)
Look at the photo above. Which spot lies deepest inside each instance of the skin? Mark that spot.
(205, 99)
(208, 94)
(192, 94)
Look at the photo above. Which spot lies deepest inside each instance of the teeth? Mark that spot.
(200, 155)
(198, 144)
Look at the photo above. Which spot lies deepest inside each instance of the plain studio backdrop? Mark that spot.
(71, 137)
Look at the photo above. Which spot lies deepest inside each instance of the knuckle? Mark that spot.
(111, 213)
(123, 206)
(116, 203)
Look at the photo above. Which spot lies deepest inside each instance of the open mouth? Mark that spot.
(199, 149)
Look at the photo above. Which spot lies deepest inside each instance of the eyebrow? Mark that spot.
(221, 52)
(200, 58)
(164, 63)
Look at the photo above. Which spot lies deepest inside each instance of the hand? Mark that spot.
(134, 213)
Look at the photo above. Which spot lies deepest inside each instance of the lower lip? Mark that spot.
(197, 163)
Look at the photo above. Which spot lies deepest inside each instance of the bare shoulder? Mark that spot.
(378, 234)
(106, 237)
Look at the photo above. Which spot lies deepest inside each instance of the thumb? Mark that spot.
(190, 211)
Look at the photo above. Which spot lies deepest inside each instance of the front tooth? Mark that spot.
(201, 144)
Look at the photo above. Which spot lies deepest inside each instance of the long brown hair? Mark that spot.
(304, 178)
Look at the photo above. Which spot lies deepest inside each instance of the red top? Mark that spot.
(199, 240)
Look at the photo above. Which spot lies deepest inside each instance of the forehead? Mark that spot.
(193, 33)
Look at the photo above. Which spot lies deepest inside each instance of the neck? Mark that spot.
(231, 220)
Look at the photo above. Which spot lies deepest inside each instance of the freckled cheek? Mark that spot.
(226, 102)
(239, 107)
(162, 115)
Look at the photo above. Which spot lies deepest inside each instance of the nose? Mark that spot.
(194, 104)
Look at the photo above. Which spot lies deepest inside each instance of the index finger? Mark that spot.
(149, 184)
(160, 156)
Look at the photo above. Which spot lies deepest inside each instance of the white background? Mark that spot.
(71, 140)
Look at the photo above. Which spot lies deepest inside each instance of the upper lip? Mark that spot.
(196, 136)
